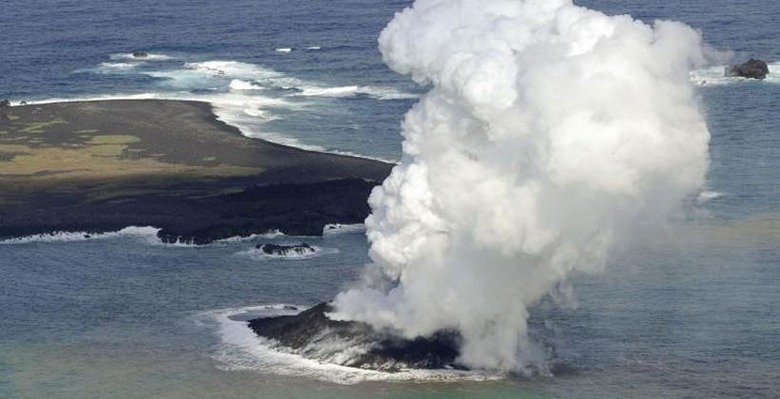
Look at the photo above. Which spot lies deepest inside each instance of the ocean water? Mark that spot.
(690, 313)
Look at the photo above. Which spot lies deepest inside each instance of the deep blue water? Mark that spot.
(691, 314)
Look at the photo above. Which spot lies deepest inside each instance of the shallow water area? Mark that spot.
(125, 317)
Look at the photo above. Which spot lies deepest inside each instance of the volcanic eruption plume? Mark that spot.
(549, 132)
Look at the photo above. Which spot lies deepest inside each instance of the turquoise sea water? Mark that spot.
(686, 314)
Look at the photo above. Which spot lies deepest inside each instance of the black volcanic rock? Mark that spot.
(140, 54)
(752, 69)
(293, 209)
(5, 103)
(191, 176)
(312, 334)
(285, 250)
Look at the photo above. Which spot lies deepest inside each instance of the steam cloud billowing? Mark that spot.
(550, 132)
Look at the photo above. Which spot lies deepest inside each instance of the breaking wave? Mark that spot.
(245, 95)
(335, 229)
(259, 254)
(238, 239)
(238, 84)
(706, 196)
(715, 76)
(118, 66)
(146, 233)
(148, 57)
(380, 93)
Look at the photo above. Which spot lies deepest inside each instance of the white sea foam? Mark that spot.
(258, 254)
(258, 75)
(379, 93)
(106, 97)
(387, 93)
(715, 76)
(253, 77)
(241, 349)
(146, 233)
(265, 236)
(246, 112)
(314, 48)
(113, 68)
(336, 229)
(124, 66)
(341, 91)
(149, 57)
(238, 84)
(706, 196)
(242, 94)
(284, 50)
(233, 69)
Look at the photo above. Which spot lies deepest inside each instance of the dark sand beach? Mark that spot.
(104, 165)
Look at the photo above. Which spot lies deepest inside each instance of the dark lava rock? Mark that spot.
(140, 54)
(285, 250)
(293, 209)
(5, 103)
(312, 334)
(752, 69)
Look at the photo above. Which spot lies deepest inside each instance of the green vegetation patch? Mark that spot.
(40, 127)
(113, 139)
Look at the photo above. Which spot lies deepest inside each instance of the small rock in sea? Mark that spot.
(285, 250)
(22, 102)
(5, 103)
(752, 69)
(140, 54)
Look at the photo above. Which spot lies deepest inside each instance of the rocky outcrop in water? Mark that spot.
(5, 103)
(140, 54)
(752, 69)
(312, 334)
(286, 250)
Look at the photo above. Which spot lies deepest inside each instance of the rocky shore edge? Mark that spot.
(213, 183)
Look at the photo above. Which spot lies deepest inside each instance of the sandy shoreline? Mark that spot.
(104, 165)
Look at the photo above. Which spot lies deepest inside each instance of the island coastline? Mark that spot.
(100, 166)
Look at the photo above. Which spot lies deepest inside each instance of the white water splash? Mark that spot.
(146, 233)
(716, 76)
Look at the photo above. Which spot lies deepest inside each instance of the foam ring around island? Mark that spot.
(241, 350)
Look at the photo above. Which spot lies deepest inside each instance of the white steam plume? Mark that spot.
(550, 131)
